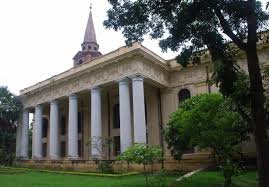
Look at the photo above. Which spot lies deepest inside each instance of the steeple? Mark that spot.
(90, 36)
(90, 47)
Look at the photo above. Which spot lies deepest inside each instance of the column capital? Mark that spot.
(124, 81)
(137, 77)
(95, 89)
(73, 96)
(39, 106)
(54, 102)
(26, 110)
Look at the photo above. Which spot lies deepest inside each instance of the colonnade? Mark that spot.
(126, 134)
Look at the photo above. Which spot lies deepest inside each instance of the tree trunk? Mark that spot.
(227, 181)
(145, 174)
(258, 116)
(257, 98)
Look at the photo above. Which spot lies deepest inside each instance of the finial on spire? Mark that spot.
(90, 6)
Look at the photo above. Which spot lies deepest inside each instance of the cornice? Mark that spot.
(121, 54)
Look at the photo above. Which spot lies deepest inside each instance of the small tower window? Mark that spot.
(95, 48)
(83, 48)
(89, 47)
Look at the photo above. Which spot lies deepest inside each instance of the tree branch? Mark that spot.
(243, 114)
(227, 30)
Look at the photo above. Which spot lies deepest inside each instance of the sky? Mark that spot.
(39, 38)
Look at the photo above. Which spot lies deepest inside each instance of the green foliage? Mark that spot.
(10, 108)
(105, 166)
(184, 24)
(141, 154)
(207, 121)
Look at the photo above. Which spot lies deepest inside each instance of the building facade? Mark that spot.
(126, 95)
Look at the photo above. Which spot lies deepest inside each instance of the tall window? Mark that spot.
(63, 125)
(183, 95)
(80, 122)
(63, 149)
(79, 148)
(45, 128)
(44, 149)
(116, 145)
(116, 116)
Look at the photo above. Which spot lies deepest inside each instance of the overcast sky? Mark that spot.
(38, 38)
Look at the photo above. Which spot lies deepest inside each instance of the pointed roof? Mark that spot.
(90, 36)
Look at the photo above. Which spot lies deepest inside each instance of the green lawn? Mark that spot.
(43, 179)
(39, 179)
(215, 179)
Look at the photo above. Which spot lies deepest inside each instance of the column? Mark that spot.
(54, 130)
(125, 115)
(73, 127)
(37, 136)
(25, 134)
(18, 139)
(96, 123)
(139, 109)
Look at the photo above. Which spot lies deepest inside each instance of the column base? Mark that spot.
(38, 158)
(54, 157)
(22, 158)
(73, 158)
(96, 157)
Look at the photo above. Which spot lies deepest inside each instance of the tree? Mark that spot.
(141, 154)
(10, 108)
(102, 145)
(196, 25)
(266, 80)
(208, 121)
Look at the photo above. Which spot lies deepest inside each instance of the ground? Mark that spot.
(43, 179)
(215, 179)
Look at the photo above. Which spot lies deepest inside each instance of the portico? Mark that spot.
(121, 101)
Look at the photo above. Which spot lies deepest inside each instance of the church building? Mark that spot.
(126, 95)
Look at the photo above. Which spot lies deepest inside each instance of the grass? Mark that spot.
(45, 179)
(215, 179)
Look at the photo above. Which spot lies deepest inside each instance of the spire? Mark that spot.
(90, 36)
(90, 47)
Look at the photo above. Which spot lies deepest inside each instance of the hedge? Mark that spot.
(77, 173)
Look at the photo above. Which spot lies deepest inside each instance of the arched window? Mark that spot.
(183, 95)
